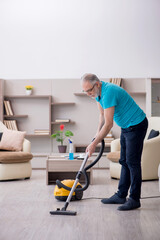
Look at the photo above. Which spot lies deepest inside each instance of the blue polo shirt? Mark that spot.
(127, 113)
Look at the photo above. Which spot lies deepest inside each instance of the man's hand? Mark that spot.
(91, 149)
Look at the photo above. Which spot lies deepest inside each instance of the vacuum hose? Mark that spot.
(84, 172)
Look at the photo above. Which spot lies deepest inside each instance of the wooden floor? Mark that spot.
(25, 206)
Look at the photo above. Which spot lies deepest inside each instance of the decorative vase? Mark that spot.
(62, 148)
(28, 92)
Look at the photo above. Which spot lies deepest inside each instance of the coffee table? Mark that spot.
(58, 167)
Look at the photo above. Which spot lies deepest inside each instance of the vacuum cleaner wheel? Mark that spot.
(79, 194)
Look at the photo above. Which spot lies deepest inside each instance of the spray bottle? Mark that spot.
(71, 154)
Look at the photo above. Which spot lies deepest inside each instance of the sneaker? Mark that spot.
(129, 205)
(115, 199)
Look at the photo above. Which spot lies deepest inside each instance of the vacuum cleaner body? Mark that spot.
(61, 194)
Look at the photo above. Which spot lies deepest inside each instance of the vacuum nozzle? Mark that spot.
(62, 212)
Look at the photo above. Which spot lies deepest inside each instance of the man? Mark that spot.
(116, 104)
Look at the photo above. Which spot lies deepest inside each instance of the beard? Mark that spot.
(96, 94)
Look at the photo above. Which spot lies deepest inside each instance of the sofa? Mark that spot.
(15, 164)
(150, 155)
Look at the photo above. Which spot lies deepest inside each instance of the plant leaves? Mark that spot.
(68, 133)
(54, 135)
(59, 140)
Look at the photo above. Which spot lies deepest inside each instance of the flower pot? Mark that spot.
(62, 148)
(28, 92)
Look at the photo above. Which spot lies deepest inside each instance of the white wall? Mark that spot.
(66, 38)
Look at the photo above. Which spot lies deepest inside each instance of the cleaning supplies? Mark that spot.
(71, 154)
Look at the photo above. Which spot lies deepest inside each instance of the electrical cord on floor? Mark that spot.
(90, 198)
(150, 197)
(102, 197)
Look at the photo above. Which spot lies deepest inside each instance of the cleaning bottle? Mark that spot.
(71, 154)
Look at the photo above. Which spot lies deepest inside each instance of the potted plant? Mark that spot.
(28, 89)
(60, 137)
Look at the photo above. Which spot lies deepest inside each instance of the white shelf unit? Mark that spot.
(14, 99)
(61, 104)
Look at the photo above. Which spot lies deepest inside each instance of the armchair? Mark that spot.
(150, 155)
(15, 165)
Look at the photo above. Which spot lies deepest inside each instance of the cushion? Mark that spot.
(114, 156)
(1, 133)
(153, 134)
(15, 157)
(12, 140)
(2, 127)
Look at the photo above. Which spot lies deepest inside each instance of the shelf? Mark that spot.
(62, 103)
(32, 98)
(25, 96)
(37, 135)
(131, 93)
(56, 123)
(15, 116)
(81, 94)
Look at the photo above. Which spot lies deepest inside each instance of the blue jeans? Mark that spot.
(131, 150)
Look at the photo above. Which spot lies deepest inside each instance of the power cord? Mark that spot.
(102, 197)
(90, 198)
(150, 197)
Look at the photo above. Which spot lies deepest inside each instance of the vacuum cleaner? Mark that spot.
(61, 194)
(76, 189)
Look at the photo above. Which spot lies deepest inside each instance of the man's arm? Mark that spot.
(101, 118)
(108, 124)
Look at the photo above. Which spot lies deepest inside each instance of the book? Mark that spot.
(9, 108)
(108, 142)
(6, 108)
(5, 123)
(108, 139)
(11, 124)
(109, 135)
(41, 132)
(62, 120)
(14, 124)
(117, 81)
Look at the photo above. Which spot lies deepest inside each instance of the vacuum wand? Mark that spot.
(81, 171)
(76, 181)
(63, 210)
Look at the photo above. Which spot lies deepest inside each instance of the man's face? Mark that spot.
(89, 89)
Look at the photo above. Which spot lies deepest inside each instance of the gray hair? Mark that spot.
(92, 78)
